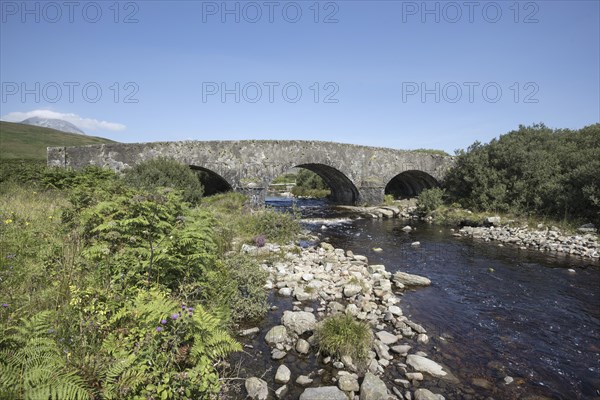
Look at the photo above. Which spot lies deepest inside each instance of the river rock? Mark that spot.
(257, 388)
(407, 228)
(348, 383)
(286, 291)
(410, 279)
(277, 354)
(424, 394)
(386, 337)
(414, 376)
(587, 228)
(422, 338)
(277, 334)
(422, 364)
(281, 392)
(283, 374)
(402, 349)
(352, 289)
(299, 321)
(482, 383)
(303, 380)
(308, 277)
(395, 310)
(493, 220)
(302, 346)
(248, 332)
(373, 388)
(323, 393)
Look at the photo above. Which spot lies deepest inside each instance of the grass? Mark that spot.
(21, 141)
(432, 151)
(30, 239)
(342, 335)
(237, 223)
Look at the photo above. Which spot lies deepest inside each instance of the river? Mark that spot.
(491, 311)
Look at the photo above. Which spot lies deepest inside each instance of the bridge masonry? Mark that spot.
(357, 175)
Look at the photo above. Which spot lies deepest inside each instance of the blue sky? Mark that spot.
(398, 74)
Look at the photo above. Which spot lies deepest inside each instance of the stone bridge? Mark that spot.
(357, 175)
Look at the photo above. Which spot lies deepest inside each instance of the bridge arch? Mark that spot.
(343, 191)
(212, 182)
(410, 183)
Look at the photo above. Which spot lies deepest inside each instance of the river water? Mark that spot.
(490, 312)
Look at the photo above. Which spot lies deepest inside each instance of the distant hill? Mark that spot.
(58, 124)
(20, 141)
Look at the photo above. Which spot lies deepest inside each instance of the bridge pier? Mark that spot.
(371, 196)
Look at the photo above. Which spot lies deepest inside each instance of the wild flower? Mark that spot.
(159, 329)
(260, 241)
(163, 321)
(4, 305)
(8, 221)
(175, 316)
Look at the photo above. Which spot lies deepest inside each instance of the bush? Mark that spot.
(342, 335)
(274, 226)
(429, 200)
(388, 200)
(551, 172)
(236, 288)
(165, 172)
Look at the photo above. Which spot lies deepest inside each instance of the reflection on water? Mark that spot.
(491, 311)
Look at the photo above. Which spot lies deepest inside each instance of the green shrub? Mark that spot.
(236, 287)
(429, 200)
(535, 169)
(165, 172)
(388, 200)
(342, 335)
(139, 238)
(277, 227)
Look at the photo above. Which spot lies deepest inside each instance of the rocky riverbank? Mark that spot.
(548, 239)
(323, 281)
(551, 239)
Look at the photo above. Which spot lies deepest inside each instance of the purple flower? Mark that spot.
(159, 329)
(260, 241)
(190, 309)
(4, 305)
(175, 316)
(190, 314)
(163, 321)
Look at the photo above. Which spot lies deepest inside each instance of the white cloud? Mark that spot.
(80, 122)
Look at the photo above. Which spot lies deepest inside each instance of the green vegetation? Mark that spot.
(21, 141)
(534, 170)
(309, 184)
(285, 178)
(432, 151)
(343, 335)
(111, 291)
(388, 200)
(429, 200)
(165, 172)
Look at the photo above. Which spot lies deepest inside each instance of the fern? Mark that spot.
(211, 340)
(32, 367)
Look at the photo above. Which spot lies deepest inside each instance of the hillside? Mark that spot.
(20, 141)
